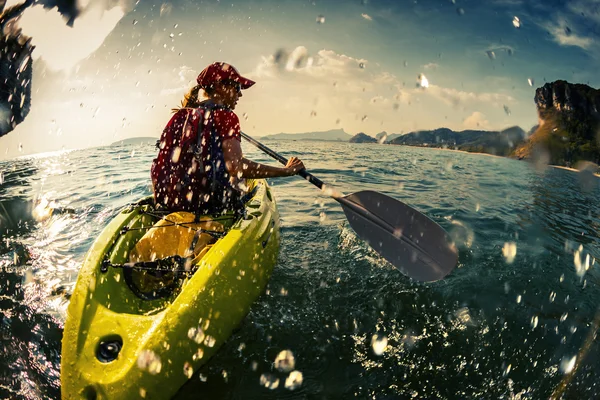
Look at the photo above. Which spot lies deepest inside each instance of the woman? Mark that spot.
(200, 162)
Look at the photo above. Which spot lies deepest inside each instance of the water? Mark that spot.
(512, 321)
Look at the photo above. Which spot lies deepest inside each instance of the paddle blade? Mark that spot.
(412, 242)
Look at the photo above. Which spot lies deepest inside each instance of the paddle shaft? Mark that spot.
(303, 173)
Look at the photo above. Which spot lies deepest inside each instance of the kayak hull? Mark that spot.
(162, 341)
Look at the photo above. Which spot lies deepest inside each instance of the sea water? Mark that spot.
(516, 319)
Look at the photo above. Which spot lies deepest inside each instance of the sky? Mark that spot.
(358, 65)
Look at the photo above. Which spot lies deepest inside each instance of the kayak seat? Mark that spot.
(181, 234)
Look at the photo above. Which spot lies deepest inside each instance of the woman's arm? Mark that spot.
(239, 166)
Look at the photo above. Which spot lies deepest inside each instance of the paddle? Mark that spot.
(409, 240)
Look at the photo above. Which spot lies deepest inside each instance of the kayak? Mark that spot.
(160, 292)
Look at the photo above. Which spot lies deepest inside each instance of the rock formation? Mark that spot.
(362, 138)
(569, 125)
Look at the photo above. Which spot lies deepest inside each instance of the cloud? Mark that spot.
(455, 97)
(326, 64)
(366, 16)
(477, 120)
(563, 35)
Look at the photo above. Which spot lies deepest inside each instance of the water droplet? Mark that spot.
(165, 9)
(567, 364)
(519, 298)
(322, 216)
(196, 334)
(198, 355)
(210, 341)
(142, 393)
(379, 344)
(563, 317)
(188, 370)
(491, 54)
(132, 153)
(460, 11)
(148, 360)
(285, 361)
(422, 81)
(506, 110)
(294, 380)
(269, 381)
(568, 31)
(509, 251)
(552, 297)
(507, 370)
(361, 65)
(534, 321)
(172, 35)
(364, 118)
(516, 22)
(320, 19)
(530, 81)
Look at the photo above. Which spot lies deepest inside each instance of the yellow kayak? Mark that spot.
(159, 293)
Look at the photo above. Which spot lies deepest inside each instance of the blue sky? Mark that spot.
(350, 64)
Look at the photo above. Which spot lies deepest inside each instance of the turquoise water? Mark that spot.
(511, 321)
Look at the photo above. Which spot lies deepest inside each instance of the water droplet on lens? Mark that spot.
(135, 21)
(491, 54)
(320, 19)
(361, 65)
(509, 251)
(534, 321)
(165, 9)
(379, 344)
(285, 361)
(530, 81)
(188, 370)
(506, 110)
(294, 380)
(269, 381)
(149, 361)
(567, 31)
(460, 11)
(422, 81)
(516, 22)
(567, 364)
(196, 334)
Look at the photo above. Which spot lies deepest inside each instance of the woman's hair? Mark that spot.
(192, 100)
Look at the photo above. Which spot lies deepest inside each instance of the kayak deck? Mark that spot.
(119, 345)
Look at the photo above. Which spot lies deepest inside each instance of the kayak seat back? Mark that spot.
(180, 234)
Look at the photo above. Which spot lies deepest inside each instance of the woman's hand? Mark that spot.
(294, 165)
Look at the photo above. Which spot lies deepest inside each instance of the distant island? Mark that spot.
(136, 141)
(334, 135)
(362, 138)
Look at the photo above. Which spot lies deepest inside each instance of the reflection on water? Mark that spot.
(355, 327)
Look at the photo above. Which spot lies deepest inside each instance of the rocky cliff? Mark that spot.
(569, 125)
(362, 138)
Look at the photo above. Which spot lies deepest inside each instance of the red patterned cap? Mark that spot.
(220, 71)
